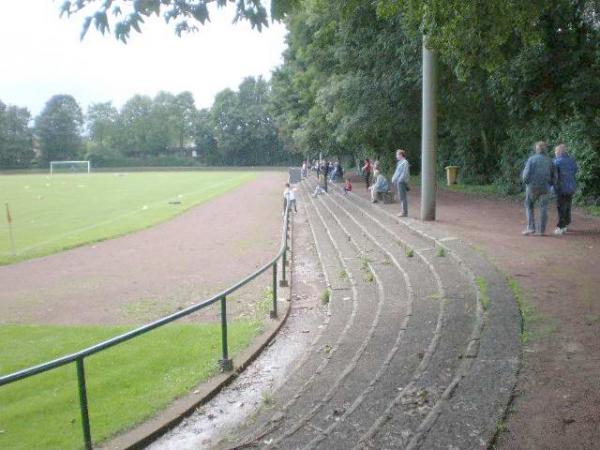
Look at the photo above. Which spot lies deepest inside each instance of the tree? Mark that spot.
(16, 146)
(204, 138)
(182, 118)
(478, 33)
(102, 120)
(185, 13)
(136, 126)
(58, 128)
(103, 131)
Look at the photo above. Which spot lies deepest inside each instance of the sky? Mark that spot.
(41, 55)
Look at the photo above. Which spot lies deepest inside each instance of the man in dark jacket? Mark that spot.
(325, 169)
(538, 176)
(566, 169)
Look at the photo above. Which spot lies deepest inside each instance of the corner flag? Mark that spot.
(10, 230)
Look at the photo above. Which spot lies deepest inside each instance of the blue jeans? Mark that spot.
(533, 195)
(401, 187)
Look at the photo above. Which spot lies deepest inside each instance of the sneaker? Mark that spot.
(402, 215)
(559, 231)
(527, 232)
(564, 230)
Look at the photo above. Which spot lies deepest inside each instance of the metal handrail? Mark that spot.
(226, 362)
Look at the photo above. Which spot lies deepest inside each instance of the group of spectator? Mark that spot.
(327, 171)
(381, 185)
(542, 177)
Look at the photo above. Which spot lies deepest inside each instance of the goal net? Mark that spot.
(69, 167)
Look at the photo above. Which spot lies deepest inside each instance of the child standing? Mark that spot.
(347, 186)
(289, 197)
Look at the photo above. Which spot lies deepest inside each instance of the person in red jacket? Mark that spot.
(347, 186)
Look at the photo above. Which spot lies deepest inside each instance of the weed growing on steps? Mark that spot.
(365, 262)
(267, 399)
(441, 252)
(325, 296)
(409, 252)
(483, 291)
(501, 427)
(592, 318)
(343, 275)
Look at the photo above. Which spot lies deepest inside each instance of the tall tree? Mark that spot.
(184, 115)
(136, 125)
(16, 146)
(58, 128)
(101, 122)
(204, 138)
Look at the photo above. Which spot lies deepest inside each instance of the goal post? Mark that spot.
(69, 167)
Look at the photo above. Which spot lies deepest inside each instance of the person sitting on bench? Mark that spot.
(381, 185)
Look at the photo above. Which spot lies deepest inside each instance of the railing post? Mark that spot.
(83, 405)
(283, 282)
(273, 313)
(226, 363)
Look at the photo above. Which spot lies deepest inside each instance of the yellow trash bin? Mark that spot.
(451, 174)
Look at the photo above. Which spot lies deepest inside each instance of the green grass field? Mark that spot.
(54, 213)
(126, 384)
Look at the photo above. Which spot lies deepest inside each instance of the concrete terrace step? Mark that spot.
(344, 336)
(441, 359)
(369, 357)
(349, 359)
(414, 355)
(475, 403)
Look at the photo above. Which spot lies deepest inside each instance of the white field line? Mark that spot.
(108, 221)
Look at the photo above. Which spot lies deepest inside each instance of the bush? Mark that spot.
(571, 131)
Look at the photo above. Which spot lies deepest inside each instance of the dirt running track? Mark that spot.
(557, 402)
(153, 272)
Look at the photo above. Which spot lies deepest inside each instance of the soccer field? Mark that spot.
(54, 213)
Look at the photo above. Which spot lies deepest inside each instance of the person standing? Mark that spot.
(539, 176)
(325, 172)
(565, 187)
(366, 169)
(400, 180)
(289, 198)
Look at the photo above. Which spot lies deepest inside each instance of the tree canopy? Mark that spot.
(511, 73)
(58, 128)
(127, 15)
(16, 146)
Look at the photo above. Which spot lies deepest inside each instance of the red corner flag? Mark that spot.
(8, 217)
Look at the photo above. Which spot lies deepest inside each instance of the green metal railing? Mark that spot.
(226, 363)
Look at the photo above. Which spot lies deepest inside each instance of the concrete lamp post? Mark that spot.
(428, 133)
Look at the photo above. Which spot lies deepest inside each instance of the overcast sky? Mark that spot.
(41, 55)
